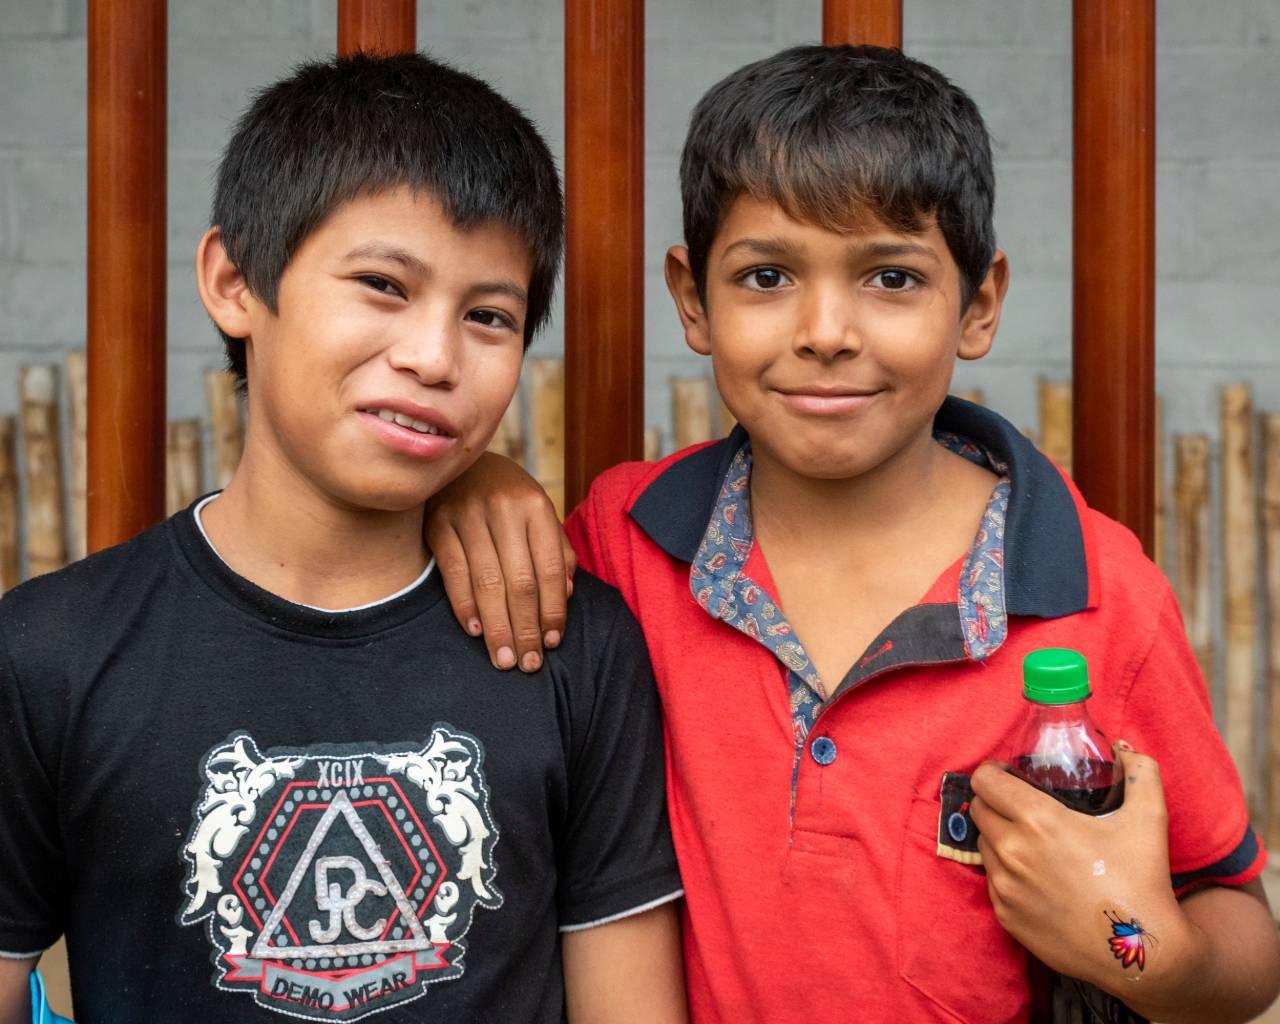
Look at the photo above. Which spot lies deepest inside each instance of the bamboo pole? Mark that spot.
(1192, 545)
(182, 476)
(727, 420)
(46, 522)
(1239, 564)
(1055, 422)
(78, 398)
(862, 21)
(604, 249)
(1113, 298)
(127, 79)
(1271, 570)
(973, 395)
(228, 429)
(508, 439)
(691, 405)
(652, 444)
(9, 561)
(546, 415)
(1160, 542)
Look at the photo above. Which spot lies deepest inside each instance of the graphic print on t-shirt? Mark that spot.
(337, 885)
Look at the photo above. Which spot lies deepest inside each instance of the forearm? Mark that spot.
(626, 972)
(15, 990)
(1219, 962)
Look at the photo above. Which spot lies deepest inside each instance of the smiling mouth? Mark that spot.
(399, 418)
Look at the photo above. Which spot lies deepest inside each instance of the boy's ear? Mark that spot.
(980, 320)
(223, 290)
(684, 291)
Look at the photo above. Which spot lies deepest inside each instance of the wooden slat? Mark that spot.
(1160, 542)
(691, 404)
(546, 427)
(878, 22)
(128, 59)
(228, 428)
(1239, 577)
(604, 260)
(508, 439)
(77, 370)
(46, 525)
(1114, 246)
(376, 26)
(1271, 575)
(182, 476)
(9, 555)
(652, 444)
(1055, 422)
(727, 420)
(973, 395)
(1192, 544)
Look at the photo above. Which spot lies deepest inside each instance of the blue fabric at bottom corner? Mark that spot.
(40, 1012)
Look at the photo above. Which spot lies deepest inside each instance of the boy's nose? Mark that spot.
(828, 330)
(430, 351)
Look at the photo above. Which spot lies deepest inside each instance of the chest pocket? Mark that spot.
(950, 947)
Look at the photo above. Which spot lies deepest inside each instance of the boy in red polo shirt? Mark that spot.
(839, 257)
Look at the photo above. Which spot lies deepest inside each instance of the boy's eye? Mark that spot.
(380, 284)
(764, 278)
(895, 280)
(491, 318)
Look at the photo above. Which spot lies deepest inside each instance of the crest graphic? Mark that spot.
(338, 885)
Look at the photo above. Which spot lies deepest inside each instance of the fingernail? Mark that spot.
(506, 657)
(1124, 745)
(552, 639)
(568, 587)
(473, 627)
(530, 662)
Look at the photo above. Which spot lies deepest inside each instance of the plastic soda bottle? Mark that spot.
(1059, 749)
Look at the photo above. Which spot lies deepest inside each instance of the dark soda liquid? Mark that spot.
(1091, 786)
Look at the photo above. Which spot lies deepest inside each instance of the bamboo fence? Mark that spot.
(1225, 567)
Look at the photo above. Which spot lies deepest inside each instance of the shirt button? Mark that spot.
(823, 750)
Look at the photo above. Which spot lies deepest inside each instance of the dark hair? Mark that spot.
(348, 126)
(830, 132)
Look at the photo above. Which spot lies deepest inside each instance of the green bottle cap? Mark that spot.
(1055, 675)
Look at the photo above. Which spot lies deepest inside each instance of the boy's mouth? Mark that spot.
(827, 400)
(404, 420)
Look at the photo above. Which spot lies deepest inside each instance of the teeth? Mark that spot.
(408, 421)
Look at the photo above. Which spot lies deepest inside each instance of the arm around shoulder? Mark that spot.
(626, 971)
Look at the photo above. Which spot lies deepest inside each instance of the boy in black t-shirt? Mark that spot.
(251, 769)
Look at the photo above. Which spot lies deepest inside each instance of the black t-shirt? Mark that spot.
(242, 809)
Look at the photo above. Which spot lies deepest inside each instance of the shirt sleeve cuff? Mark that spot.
(1243, 864)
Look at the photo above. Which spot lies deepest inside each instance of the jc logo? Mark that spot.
(342, 906)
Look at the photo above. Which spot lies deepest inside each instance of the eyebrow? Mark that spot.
(765, 247)
(386, 251)
(888, 250)
(782, 247)
(507, 288)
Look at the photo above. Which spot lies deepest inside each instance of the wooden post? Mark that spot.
(1271, 570)
(1239, 573)
(973, 395)
(228, 429)
(1192, 545)
(77, 369)
(604, 260)
(508, 439)
(9, 562)
(878, 22)
(126, 267)
(1055, 422)
(1114, 247)
(46, 521)
(377, 26)
(183, 476)
(691, 405)
(652, 444)
(546, 415)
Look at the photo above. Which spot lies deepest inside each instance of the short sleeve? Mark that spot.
(616, 856)
(32, 878)
(1168, 715)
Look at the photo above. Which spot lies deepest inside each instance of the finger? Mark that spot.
(1143, 788)
(1008, 795)
(521, 594)
(451, 563)
(991, 823)
(546, 541)
(488, 587)
(570, 558)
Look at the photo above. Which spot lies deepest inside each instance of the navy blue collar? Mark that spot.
(1046, 571)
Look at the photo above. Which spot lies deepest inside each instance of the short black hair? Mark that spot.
(358, 125)
(831, 132)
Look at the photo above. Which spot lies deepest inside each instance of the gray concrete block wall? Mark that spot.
(1218, 155)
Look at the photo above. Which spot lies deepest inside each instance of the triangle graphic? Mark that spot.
(340, 807)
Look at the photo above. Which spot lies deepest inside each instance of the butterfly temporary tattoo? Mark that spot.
(1128, 940)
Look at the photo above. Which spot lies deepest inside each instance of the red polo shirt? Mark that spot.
(816, 875)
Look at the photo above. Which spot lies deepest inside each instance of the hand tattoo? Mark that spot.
(1128, 940)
